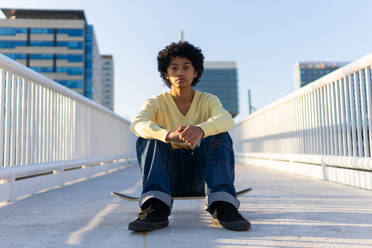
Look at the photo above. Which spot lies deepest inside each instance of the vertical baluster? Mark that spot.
(63, 127)
(339, 117)
(334, 119)
(2, 115)
(39, 123)
(88, 154)
(44, 124)
(347, 116)
(8, 106)
(317, 123)
(323, 124)
(314, 112)
(358, 115)
(362, 81)
(352, 112)
(13, 125)
(53, 140)
(329, 121)
(369, 107)
(29, 111)
(31, 144)
(342, 116)
(47, 124)
(23, 121)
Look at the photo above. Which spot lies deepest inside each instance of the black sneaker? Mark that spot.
(153, 215)
(228, 216)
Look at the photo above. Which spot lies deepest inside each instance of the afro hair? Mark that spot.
(181, 49)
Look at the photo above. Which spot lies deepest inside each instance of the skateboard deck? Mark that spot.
(136, 198)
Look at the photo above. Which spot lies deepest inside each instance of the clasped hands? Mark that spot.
(186, 134)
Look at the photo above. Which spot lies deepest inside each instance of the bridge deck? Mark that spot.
(285, 210)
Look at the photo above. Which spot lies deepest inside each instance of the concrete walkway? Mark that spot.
(285, 210)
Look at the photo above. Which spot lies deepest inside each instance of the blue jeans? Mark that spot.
(206, 170)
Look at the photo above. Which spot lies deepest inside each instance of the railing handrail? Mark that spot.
(32, 169)
(45, 81)
(321, 82)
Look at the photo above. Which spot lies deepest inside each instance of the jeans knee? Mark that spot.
(221, 139)
(143, 144)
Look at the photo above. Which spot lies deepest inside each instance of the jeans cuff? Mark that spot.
(222, 196)
(164, 197)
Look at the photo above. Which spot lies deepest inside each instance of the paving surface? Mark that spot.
(286, 210)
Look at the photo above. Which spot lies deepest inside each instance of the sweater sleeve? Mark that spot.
(143, 124)
(219, 121)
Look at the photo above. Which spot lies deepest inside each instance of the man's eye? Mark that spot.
(186, 67)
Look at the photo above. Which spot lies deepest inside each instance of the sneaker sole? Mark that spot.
(147, 226)
(233, 226)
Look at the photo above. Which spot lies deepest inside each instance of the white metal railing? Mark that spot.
(47, 127)
(327, 120)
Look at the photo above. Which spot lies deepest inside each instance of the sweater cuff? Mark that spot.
(163, 136)
(204, 126)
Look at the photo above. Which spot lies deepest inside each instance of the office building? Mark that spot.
(307, 72)
(108, 81)
(59, 44)
(220, 78)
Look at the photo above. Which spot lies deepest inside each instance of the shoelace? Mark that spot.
(144, 213)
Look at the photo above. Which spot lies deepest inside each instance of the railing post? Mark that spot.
(324, 170)
(11, 181)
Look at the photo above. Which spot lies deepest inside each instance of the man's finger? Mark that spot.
(181, 128)
(185, 131)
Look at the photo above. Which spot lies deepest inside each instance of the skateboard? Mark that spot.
(136, 198)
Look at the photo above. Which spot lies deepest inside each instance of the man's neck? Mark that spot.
(182, 96)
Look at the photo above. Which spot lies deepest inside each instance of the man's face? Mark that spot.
(180, 72)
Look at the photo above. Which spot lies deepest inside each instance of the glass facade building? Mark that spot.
(108, 81)
(59, 44)
(221, 79)
(307, 72)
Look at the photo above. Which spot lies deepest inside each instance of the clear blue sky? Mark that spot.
(265, 37)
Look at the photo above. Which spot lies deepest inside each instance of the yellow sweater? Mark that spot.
(160, 114)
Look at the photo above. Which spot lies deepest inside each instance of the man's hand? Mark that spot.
(191, 134)
(186, 134)
(174, 136)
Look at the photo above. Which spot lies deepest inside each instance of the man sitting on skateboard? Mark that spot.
(183, 147)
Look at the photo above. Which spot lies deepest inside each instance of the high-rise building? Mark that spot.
(59, 44)
(307, 72)
(220, 78)
(108, 81)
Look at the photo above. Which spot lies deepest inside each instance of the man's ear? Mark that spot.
(166, 75)
(195, 73)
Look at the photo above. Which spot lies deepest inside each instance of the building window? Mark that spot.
(71, 57)
(71, 83)
(70, 31)
(70, 70)
(12, 43)
(16, 55)
(42, 69)
(12, 31)
(41, 56)
(70, 44)
(41, 43)
(41, 31)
